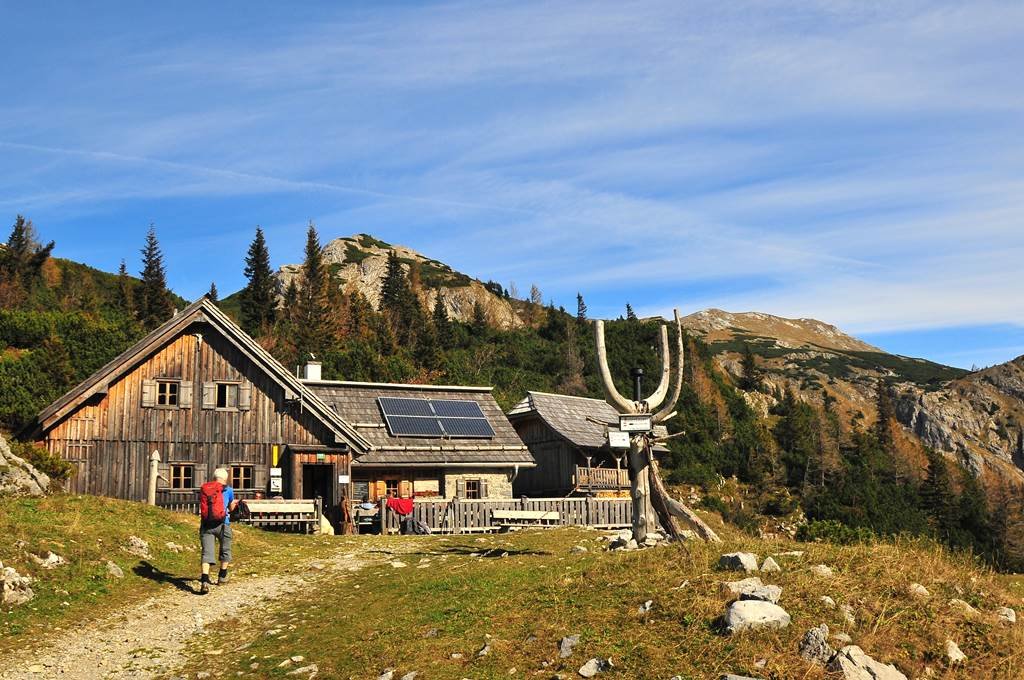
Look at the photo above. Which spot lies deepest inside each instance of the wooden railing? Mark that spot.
(462, 515)
(601, 478)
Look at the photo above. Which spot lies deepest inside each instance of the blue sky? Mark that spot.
(857, 162)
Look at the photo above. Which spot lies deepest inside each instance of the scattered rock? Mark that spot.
(455, 655)
(733, 589)
(576, 549)
(848, 614)
(113, 570)
(965, 608)
(309, 671)
(1006, 615)
(37, 668)
(953, 653)
(770, 566)
(14, 588)
(854, 664)
(411, 675)
(764, 594)
(918, 591)
(822, 571)
(730, 676)
(485, 650)
(842, 638)
(827, 601)
(432, 633)
(387, 674)
(48, 559)
(645, 607)
(397, 564)
(791, 553)
(744, 615)
(174, 547)
(566, 644)
(594, 666)
(136, 546)
(738, 561)
(814, 645)
(317, 566)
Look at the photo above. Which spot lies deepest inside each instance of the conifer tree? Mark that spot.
(751, 380)
(442, 323)
(937, 497)
(630, 314)
(399, 303)
(155, 305)
(581, 308)
(479, 324)
(22, 260)
(259, 297)
(212, 294)
(313, 332)
(886, 414)
(125, 296)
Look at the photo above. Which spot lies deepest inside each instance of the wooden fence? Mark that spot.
(462, 515)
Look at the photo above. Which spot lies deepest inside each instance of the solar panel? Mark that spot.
(395, 406)
(407, 417)
(466, 427)
(414, 426)
(450, 408)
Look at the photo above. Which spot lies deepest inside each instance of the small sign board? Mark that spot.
(618, 440)
(321, 457)
(275, 485)
(275, 472)
(343, 479)
(640, 422)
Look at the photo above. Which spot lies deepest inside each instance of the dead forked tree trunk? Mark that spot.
(652, 506)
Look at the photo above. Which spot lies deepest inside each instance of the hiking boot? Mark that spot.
(204, 587)
(222, 580)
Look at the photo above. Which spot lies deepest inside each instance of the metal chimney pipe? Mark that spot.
(638, 383)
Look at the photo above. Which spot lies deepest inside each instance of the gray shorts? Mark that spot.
(219, 532)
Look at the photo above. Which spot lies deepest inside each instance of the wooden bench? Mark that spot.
(516, 519)
(303, 515)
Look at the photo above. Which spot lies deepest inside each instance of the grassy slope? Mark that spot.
(88, 531)
(357, 625)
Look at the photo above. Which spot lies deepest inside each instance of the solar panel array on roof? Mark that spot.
(434, 418)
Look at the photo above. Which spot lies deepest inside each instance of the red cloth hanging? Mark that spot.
(403, 506)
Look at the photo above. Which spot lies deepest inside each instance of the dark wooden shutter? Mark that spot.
(164, 480)
(209, 395)
(483, 488)
(148, 393)
(460, 488)
(245, 396)
(185, 394)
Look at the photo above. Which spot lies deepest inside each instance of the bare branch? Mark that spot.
(621, 404)
(666, 412)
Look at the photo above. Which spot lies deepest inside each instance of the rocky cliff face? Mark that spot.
(976, 419)
(18, 476)
(359, 263)
(979, 418)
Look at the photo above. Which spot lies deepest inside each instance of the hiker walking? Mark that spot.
(216, 501)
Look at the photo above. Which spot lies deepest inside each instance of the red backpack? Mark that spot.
(211, 502)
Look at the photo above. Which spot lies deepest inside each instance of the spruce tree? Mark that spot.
(581, 308)
(212, 294)
(937, 497)
(21, 262)
(479, 324)
(313, 332)
(751, 380)
(442, 323)
(886, 414)
(125, 297)
(155, 304)
(630, 314)
(259, 297)
(399, 303)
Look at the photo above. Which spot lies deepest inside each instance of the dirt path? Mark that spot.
(149, 639)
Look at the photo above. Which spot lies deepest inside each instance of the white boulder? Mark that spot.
(738, 561)
(854, 664)
(752, 615)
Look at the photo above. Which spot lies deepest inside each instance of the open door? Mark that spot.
(318, 480)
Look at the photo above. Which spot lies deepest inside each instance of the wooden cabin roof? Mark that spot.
(573, 418)
(357, 403)
(204, 312)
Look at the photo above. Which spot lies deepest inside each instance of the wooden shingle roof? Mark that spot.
(205, 312)
(573, 418)
(357, 404)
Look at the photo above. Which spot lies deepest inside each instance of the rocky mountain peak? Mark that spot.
(718, 324)
(359, 263)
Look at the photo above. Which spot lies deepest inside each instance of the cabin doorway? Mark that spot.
(318, 480)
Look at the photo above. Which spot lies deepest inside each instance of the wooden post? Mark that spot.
(383, 516)
(154, 472)
(643, 510)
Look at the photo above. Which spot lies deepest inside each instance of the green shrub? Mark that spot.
(831, 531)
(54, 467)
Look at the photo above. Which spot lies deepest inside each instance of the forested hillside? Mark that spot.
(772, 453)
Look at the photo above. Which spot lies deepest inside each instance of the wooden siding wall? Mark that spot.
(111, 438)
(556, 460)
(460, 515)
